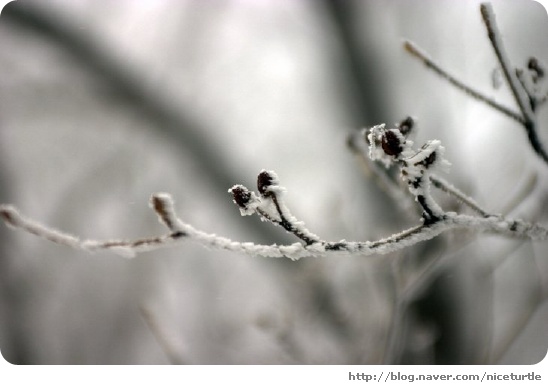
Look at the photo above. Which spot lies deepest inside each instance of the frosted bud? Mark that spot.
(265, 180)
(406, 125)
(391, 143)
(535, 66)
(241, 195)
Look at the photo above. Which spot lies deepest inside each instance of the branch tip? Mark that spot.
(412, 49)
(9, 214)
(241, 195)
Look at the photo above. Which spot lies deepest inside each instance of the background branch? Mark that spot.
(520, 94)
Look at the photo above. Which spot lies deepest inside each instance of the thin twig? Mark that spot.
(446, 187)
(521, 96)
(161, 337)
(183, 231)
(519, 93)
(418, 53)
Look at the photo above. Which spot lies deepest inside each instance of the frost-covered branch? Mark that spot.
(387, 145)
(449, 189)
(391, 146)
(388, 183)
(270, 205)
(184, 232)
(384, 179)
(523, 85)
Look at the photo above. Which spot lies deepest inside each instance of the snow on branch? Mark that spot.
(389, 146)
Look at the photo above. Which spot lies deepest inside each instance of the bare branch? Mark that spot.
(520, 94)
(523, 99)
(418, 53)
(159, 333)
(526, 100)
(446, 187)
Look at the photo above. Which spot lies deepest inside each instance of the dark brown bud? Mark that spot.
(391, 143)
(7, 216)
(241, 195)
(534, 65)
(406, 125)
(264, 180)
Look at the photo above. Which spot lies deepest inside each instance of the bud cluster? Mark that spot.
(391, 146)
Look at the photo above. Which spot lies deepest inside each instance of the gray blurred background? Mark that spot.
(104, 102)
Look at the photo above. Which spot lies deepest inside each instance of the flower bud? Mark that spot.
(406, 125)
(535, 66)
(265, 180)
(241, 195)
(390, 143)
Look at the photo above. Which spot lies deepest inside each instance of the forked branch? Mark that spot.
(420, 54)
(525, 89)
(387, 145)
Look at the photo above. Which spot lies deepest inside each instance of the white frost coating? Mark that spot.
(377, 153)
(416, 172)
(267, 210)
(271, 206)
(294, 251)
(167, 216)
(274, 186)
(13, 218)
(298, 226)
(165, 198)
(251, 205)
(390, 146)
(416, 163)
(125, 252)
